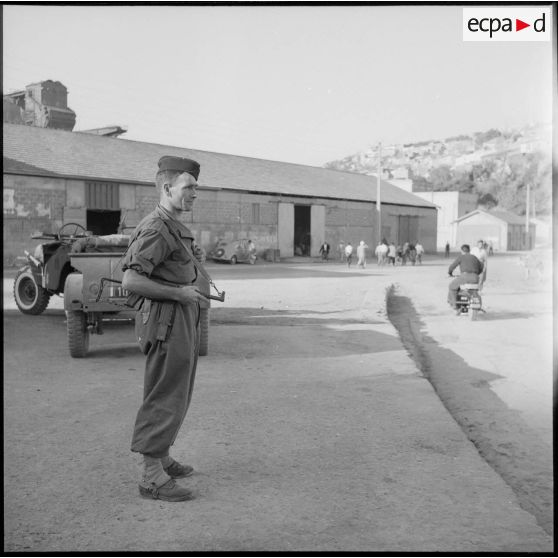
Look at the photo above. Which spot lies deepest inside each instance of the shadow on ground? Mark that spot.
(507, 443)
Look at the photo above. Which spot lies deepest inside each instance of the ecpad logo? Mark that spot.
(507, 24)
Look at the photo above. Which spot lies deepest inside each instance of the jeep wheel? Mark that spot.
(78, 334)
(30, 297)
(204, 331)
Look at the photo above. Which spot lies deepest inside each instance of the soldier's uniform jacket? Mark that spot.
(155, 250)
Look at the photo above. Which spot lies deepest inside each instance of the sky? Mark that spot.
(301, 84)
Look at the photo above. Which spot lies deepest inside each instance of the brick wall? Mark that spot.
(31, 204)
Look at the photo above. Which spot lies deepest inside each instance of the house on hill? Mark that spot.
(503, 229)
(56, 176)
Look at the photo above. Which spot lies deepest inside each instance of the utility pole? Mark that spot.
(378, 199)
(525, 150)
(527, 204)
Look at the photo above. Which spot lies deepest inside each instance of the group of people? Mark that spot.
(386, 253)
(486, 246)
(346, 253)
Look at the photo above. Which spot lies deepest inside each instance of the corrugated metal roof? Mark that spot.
(90, 156)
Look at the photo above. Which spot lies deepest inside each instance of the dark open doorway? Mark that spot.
(302, 239)
(103, 221)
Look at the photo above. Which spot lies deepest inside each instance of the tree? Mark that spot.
(488, 201)
(420, 184)
(441, 178)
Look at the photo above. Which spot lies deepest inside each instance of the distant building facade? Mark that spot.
(503, 229)
(451, 206)
(104, 183)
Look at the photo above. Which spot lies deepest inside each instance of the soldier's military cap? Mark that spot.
(179, 164)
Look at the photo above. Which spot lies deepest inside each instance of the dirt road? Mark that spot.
(493, 375)
(311, 429)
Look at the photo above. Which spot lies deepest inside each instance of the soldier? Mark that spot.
(158, 267)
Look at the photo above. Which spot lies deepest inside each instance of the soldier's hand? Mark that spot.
(191, 295)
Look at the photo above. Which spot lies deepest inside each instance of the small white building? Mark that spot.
(501, 228)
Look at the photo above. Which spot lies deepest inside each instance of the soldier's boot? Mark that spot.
(176, 470)
(171, 491)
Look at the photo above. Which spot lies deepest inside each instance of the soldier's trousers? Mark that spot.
(168, 334)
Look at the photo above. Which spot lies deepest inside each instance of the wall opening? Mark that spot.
(103, 221)
(302, 237)
(407, 229)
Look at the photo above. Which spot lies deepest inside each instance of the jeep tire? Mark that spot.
(78, 334)
(30, 298)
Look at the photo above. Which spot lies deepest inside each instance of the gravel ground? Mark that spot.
(313, 426)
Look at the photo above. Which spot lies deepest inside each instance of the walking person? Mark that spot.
(341, 251)
(381, 253)
(447, 250)
(404, 253)
(392, 253)
(252, 252)
(361, 254)
(324, 251)
(158, 269)
(412, 253)
(420, 251)
(480, 252)
(399, 254)
(349, 253)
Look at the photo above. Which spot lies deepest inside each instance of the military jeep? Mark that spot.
(87, 270)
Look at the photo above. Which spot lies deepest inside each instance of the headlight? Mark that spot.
(39, 253)
(219, 252)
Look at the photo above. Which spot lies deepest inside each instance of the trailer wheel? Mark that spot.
(78, 334)
(204, 331)
(30, 298)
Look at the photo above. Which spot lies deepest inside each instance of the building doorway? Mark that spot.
(302, 227)
(407, 229)
(103, 221)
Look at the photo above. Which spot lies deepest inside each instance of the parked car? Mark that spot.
(237, 251)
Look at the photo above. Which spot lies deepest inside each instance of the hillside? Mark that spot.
(496, 165)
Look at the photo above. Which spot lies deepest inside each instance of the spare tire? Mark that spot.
(30, 297)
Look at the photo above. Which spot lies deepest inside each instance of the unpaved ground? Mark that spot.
(509, 348)
(310, 429)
